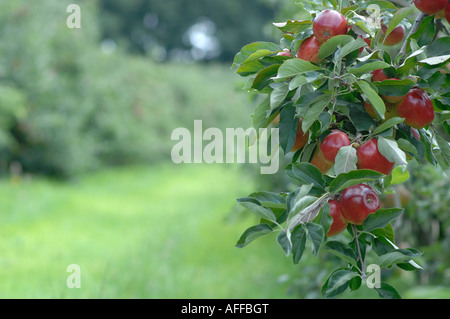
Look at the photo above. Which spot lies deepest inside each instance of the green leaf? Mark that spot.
(346, 160)
(263, 78)
(381, 218)
(394, 87)
(301, 202)
(251, 48)
(351, 47)
(307, 77)
(436, 60)
(315, 235)
(388, 124)
(387, 232)
(293, 26)
(278, 95)
(389, 149)
(258, 210)
(257, 55)
(386, 291)
(342, 251)
(313, 113)
(397, 256)
(368, 66)
(253, 233)
(441, 46)
(373, 97)
(293, 67)
(444, 146)
(331, 45)
(285, 243)
(398, 17)
(352, 178)
(338, 282)
(269, 199)
(306, 173)
(288, 128)
(260, 116)
(400, 175)
(298, 238)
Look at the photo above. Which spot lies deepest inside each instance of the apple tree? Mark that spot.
(357, 89)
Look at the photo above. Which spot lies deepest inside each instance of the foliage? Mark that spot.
(330, 95)
(66, 107)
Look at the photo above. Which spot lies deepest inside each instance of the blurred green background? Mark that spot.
(86, 117)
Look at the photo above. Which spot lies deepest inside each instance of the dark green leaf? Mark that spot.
(338, 282)
(381, 218)
(251, 48)
(352, 178)
(288, 128)
(284, 242)
(373, 97)
(368, 66)
(253, 233)
(388, 124)
(258, 210)
(298, 239)
(263, 78)
(342, 251)
(394, 87)
(293, 67)
(386, 291)
(332, 44)
(305, 174)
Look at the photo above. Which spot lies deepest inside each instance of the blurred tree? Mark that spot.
(185, 28)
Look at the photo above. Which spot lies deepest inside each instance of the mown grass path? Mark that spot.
(158, 232)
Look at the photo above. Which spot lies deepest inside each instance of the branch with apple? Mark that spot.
(355, 101)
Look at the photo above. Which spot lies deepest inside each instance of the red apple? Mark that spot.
(370, 110)
(329, 23)
(309, 50)
(319, 162)
(430, 6)
(395, 37)
(416, 108)
(326, 153)
(301, 138)
(339, 223)
(332, 143)
(368, 41)
(378, 75)
(285, 52)
(447, 12)
(358, 202)
(369, 157)
(415, 133)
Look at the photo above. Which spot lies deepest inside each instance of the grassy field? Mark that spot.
(161, 232)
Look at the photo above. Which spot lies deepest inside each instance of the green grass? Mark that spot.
(158, 232)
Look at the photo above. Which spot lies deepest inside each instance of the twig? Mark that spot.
(413, 30)
(363, 267)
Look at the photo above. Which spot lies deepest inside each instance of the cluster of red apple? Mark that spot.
(330, 23)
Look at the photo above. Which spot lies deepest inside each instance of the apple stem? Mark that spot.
(413, 30)
(363, 267)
